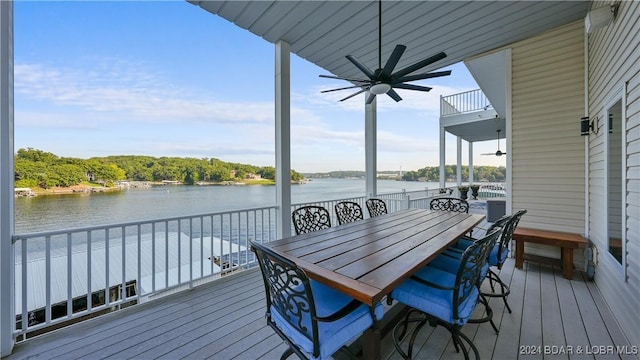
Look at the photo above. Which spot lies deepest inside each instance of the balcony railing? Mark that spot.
(124, 264)
(64, 276)
(464, 102)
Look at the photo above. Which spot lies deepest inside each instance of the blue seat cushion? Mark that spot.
(434, 301)
(464, 243)
(332, 335)
(452, 264)
(493, 257)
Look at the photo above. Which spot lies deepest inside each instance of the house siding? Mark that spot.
(614, 58)
(548, 154)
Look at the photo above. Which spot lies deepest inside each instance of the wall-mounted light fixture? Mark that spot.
(586, 125)
(600, 17)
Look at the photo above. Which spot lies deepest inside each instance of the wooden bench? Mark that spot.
(566, 241)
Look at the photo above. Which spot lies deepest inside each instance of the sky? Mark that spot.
(167, 78)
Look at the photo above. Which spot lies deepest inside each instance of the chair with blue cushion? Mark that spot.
(313, 319)
(498, 254)
(376, 207)
(439, 297)
(348, 211)
(310, 218)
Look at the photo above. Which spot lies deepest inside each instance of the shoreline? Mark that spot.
(124, 185)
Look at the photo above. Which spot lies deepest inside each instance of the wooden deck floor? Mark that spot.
(225, 320)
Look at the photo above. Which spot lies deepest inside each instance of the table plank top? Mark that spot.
(368, 258)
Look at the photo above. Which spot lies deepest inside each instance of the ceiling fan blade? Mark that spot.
(342, 88)
(370, 98)
(341, 78)
(360, 66)
(423, 76)
(419, 65)
(412, 87)
(354, 94)
(394, 95)
(393, 60)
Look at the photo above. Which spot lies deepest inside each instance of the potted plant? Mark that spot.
(474, 191)
(463, 192)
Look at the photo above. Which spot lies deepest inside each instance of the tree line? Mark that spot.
(480, 173)
(37, 168)
(429, 173)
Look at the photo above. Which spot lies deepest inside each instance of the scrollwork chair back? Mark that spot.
(348, 211)
(310, 218)
(449, 204)
(376, 207)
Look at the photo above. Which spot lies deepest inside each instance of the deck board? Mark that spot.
(225, 320)
(552, 329)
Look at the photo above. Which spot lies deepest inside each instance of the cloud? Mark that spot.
(129, 89)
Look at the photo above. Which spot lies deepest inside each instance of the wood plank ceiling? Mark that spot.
(324, 32)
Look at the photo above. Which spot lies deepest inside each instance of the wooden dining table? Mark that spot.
(367, 259)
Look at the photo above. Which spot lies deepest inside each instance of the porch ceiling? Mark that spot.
(324, 32)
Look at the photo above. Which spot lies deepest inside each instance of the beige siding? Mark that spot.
(547, 150)
(614, 58)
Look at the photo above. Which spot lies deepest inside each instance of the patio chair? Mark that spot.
(310, 218)
(442, 298)
(313, 319)
(376, 207)
(449, 204)
(498, 254)
(348, 211)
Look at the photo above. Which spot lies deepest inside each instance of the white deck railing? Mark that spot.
(66, 275)
(128, 263)
(464, 102)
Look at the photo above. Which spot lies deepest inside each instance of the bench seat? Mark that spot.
(565, 240)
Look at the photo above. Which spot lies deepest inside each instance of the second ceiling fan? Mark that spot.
(497, 153)
(384, 80)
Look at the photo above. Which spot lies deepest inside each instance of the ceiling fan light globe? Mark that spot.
(380, 88)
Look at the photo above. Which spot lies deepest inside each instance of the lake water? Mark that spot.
(48, 213)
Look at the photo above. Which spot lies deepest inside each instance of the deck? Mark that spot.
(225, 320)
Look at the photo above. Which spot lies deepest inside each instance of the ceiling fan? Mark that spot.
(497, 153)
(384, 80)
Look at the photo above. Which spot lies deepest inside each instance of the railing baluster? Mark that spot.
(25, 311)
(107, 294)
(69, 278)
(166, 254)
(89, 288)
(153, 257)
(179, 251)
(202, 246)
(211, 250)
(190, 253)
(139, 284)
(123, 287)
(47, 309)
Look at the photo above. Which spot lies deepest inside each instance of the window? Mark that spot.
(614, 123)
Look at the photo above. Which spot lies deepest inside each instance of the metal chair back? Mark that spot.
(310, 218)
(348, 211)
(449, 204)
(376, 207)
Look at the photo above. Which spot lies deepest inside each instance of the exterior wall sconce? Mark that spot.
(600, 17)
(586, 125)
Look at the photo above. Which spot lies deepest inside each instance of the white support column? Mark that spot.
(443, 171)
(283, 139)
(7, 253)
(470, 163)
(370, 146)
(459, 161)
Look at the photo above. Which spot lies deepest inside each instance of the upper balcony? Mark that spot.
(470, 115)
